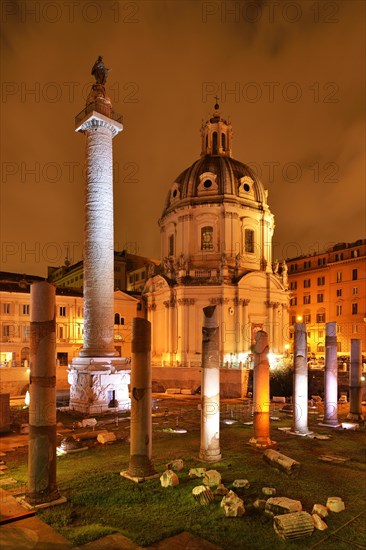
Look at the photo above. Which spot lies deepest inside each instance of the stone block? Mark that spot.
(175, 465)
(278, 399)
(197, 472)
(172, 391)
(283, 505)
(269, 491)
(241, 484)
(221, 490)
(319, 523)
(212, 478)
(89, 423)
(320, 510)
(169, 479)
(335, 504)
(233, 505)
(106, 437)
(202, 494)
(259, 504)
(295, 525)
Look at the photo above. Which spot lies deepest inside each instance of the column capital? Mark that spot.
(93, 120)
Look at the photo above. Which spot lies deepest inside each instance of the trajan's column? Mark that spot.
(97, 377)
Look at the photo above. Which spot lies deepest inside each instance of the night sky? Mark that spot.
(289, 75)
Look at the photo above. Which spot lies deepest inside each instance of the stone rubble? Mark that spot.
(282, 505)
(269, 491)
(294, 525)
(89, 423)
(335, 504)
(319, 523)
(202, 494)
(169, 479)
(197, 472)
(241, 484)
(233, 505)
(212, 478)
(106, 437)
(320, 510)
(221, 490)
(176, 465)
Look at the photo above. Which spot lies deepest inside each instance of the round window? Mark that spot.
(207, 184)
(246, 187)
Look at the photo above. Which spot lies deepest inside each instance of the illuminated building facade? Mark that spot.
(216, 245)
(330, 287)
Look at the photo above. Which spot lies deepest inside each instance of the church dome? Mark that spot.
(216, 177)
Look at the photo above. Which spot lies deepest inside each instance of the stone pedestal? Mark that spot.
(42, 486)
(210, 388)
(355, 397)
(261, 398)
(331, 377)
(140, 467)
(300, 381)
(92, 382)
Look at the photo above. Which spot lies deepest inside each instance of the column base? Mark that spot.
(262, 442)
(209, 456)
(41, 501)
(138, 479)
(357, 417)
(92, 382)
(329, 423)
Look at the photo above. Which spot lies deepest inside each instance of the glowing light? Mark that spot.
(287, 346)
(362, 379)
(27, 398)
(299, 318)
(28, 371)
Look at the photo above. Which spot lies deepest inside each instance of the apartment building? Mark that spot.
(15, 320)
(330, 286)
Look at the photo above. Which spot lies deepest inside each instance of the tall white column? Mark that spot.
(42, 486)
(300, 381)
(210, 388)
(98, 238)
(331, 376)
(355, 406)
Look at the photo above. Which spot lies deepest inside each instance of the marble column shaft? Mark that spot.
(98, 244)
(300, 381)
(42, 486)
(261, 396)
(331, 376)
(141, 400)
(210, 388)
(355, 406)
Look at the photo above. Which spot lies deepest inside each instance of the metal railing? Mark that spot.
(99, 107)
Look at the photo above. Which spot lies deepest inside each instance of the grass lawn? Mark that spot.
(100, 501)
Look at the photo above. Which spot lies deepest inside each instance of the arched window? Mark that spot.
(223, 141)
(214, 143)
(171, 245)
(249, 240)
(207, 238)
(117, 318)
(206, 142)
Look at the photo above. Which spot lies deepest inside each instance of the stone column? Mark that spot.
(300, 381)
(210, 388)
(355, 407)
(276, 321)
(270, 322)
(261, 398)
(331, 376)
(140, 466)
(42, 486)
(246, 328)
(98, 284)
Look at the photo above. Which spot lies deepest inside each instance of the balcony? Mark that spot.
(99, 107)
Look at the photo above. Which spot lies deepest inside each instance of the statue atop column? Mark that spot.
(100, 71)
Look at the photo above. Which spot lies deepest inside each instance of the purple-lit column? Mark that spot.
(355, 406)
(210, 388)
(42, 486)
(300, 381)
(331, 376)
(261, 399)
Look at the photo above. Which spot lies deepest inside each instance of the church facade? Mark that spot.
(216, 249)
